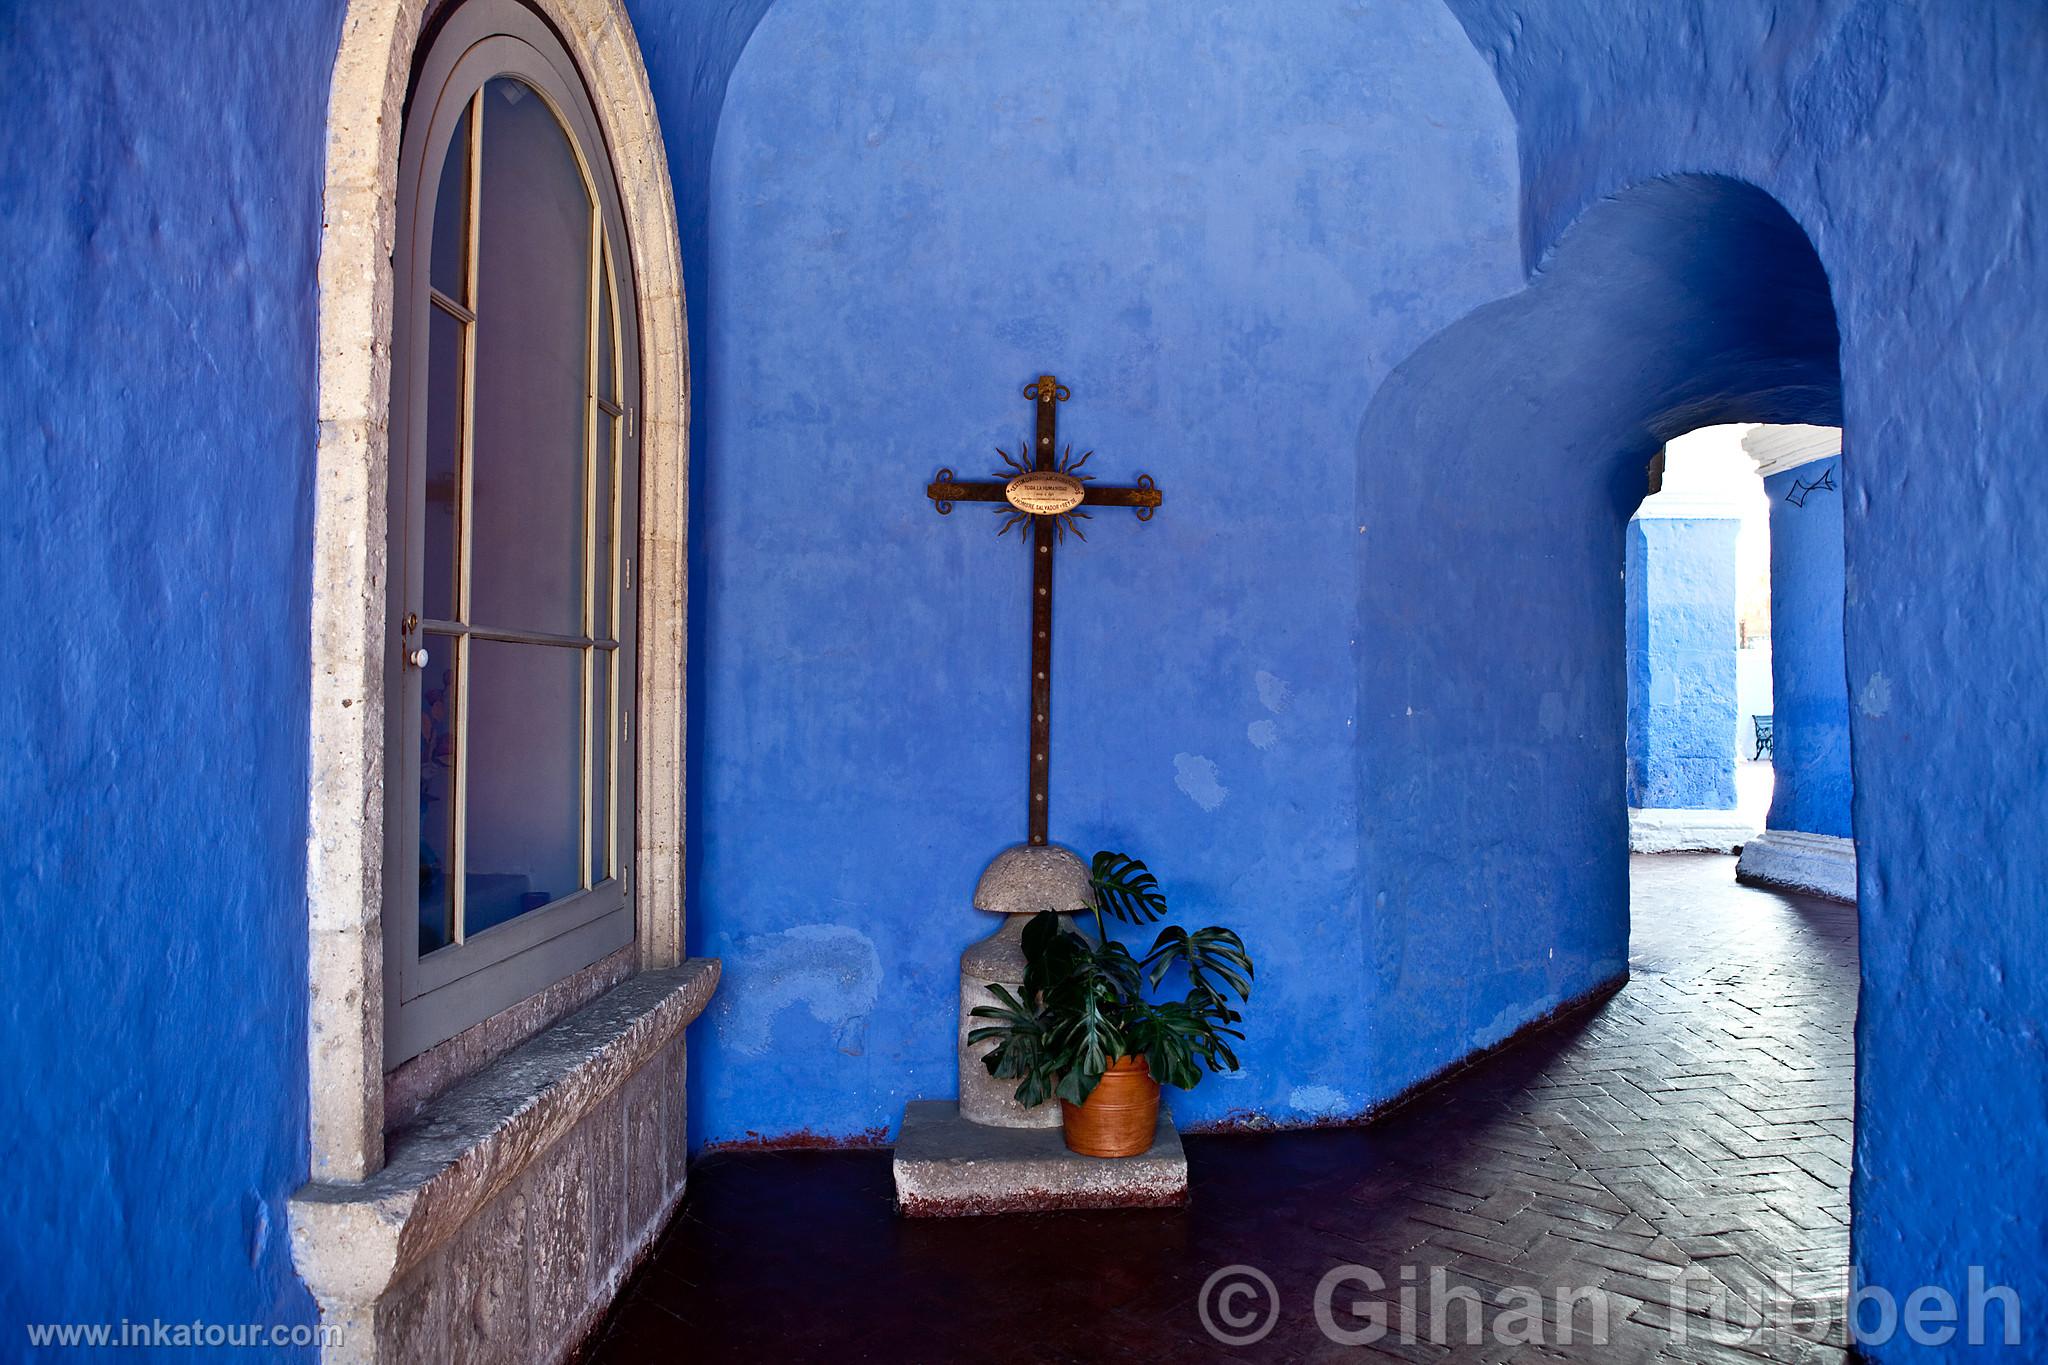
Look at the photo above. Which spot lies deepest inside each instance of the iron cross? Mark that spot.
(1043, 494)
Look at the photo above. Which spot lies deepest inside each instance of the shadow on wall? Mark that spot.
(1498, 468)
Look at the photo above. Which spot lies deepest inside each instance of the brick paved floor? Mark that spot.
(1698, 1121)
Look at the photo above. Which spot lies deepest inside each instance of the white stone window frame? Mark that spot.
(350, 615)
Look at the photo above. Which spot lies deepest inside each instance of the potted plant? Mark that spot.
(1084, 1029)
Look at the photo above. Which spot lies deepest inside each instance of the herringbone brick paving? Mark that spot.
(1692, 1131)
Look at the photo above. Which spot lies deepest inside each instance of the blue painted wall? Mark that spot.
(1681, 633)
(159, 217)
(1221, 225)
(1901, 137)
(689, 51)
(1227, 233)
(1810, 695)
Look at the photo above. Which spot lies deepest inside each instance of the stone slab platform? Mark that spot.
(1812, 864)
(947, 1167)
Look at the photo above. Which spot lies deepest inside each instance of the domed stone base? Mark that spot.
(1026, 878)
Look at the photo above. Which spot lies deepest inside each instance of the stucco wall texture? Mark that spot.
(159, 214)
(1359, 689)
(1810, 738)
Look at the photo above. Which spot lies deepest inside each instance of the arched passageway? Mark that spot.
(1498, 467)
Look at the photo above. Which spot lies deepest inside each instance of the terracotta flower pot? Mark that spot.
(1120, 1115)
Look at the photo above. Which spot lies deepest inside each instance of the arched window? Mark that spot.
(513, 521)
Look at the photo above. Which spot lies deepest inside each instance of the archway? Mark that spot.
(1500, 466)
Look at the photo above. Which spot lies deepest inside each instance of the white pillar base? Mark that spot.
(1811, 864)
(1659, 830)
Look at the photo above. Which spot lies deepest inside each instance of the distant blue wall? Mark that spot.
(1903, 138)
(1810, 737)
(1221, 224)
(1680, 581)
(159, 217)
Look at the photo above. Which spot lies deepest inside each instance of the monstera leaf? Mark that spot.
(1085, 1036)
(1020, 1051)
(1052, 953)
(1214, 958)
(1126, 888)
(1178, 1034)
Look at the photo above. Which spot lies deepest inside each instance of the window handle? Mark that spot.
(418, 658)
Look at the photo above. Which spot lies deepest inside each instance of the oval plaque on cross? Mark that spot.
(1043, 493)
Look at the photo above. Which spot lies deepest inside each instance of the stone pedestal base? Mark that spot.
(1811, 864)
(947, 1167)
(1686, 831)
(998, 958)
(1020, 882)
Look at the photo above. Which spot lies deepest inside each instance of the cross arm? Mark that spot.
(1145, 497)
(947, 489)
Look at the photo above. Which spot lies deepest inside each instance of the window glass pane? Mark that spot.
(607, 454)
(451, 236)
(607, 382)
(437, 792)
(602, 737)
(533, 283)
(524, 789)
(443, 459)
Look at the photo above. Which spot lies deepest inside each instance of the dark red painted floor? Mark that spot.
(1697, 1122)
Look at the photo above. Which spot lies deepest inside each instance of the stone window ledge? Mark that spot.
(353, 1240)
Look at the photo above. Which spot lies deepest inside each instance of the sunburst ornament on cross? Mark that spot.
(1044, 494)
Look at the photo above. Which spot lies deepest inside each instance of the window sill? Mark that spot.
(413, 1085)
(353, 1241)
